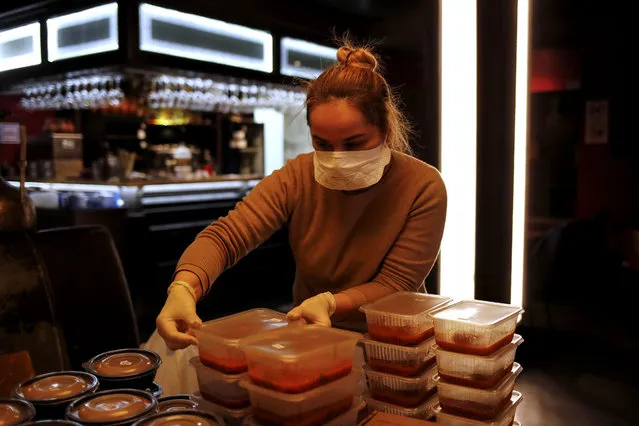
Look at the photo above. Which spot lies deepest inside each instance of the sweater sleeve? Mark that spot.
(263, 211)
(412, 256)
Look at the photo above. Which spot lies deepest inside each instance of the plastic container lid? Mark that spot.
(180, 418)
(292, 344)
(424, 411)
(123, 363)
(478, 312)
(406, 304)
(112, 407)
(15, 411)
(176, 403)
(229, 330)
(56, 388)
(506, 417)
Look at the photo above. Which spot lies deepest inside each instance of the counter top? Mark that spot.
(141, 182)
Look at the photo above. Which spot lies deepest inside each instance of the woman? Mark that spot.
(365, 218)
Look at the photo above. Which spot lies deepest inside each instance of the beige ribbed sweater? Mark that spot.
(367, 243)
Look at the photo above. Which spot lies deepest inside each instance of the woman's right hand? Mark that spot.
(177, 317)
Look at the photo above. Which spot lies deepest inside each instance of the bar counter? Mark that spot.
(152, 222)
(141, 193)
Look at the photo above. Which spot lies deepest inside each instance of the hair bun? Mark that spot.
(356, 57)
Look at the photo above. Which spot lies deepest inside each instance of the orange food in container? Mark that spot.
(480, 404)
(299, 359)
(475, 370)
(218, 340)
(408, 392)
(220, 388)
(505, 418)
(475, 327)
(313, 408)
(402, 318)
(407, 361)
(425, 411)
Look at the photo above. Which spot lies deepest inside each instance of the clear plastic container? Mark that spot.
(402, 318)
(505, 418)
(475, 370)
(219, 339)
(480, 404)
(232, 417)
(298, 359)
(223, 389)
(475, 327)
(349, 418)
(310, 408)
(402, 391)
(407, 361)
(423, 412)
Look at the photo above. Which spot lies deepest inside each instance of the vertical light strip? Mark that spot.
(458, 144)
(273, 148)
(521, 141)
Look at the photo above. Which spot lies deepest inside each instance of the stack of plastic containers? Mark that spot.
(476, 346)
(401, 365)
(222, 364)
(302, 376)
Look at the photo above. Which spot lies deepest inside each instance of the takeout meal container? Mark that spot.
(402, 318)
(314, 407)
(475, 327)
(349, 418)
(223, 389)
(424, 412)
(407, 392)
(407, 361)
(233, 417)
(299, 359)
(155, 389)
(480, 404)
(125, 368)
(505, 418)
(16, 411)
(183, 417)
(51, 393)
(57, 422)
(117, 407)
(218, 340)
(475, 370)
(176, 403)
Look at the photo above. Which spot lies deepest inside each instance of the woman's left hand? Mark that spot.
(316, 310)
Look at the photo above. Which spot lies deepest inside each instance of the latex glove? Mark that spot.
(177, 317)
(316, 310)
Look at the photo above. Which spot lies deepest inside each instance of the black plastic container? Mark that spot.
(105, 366)
(22, 410)
(58, 422)
(156, 390)
(108, 399)
(55, 407)
(192, 418)
(176, 403)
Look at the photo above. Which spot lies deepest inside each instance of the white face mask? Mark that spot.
(351, 170)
